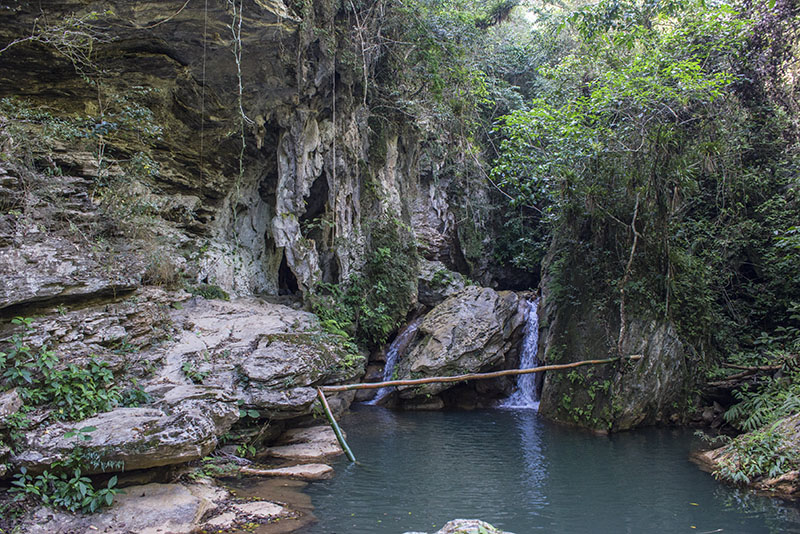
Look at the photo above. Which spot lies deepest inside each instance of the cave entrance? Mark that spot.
(312, 223)
(287, 281)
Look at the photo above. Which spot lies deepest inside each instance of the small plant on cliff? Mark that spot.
(66, 487)
(75, 392)
(191, 372)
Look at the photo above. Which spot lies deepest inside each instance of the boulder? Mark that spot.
(182, 426)
(436, 283)
(270, 356)
(472, 331)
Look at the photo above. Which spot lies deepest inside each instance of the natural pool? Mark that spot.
(522, 474)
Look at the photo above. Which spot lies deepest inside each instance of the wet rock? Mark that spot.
(466, 526)
(182, 426)
(262, 509)
(471, 331)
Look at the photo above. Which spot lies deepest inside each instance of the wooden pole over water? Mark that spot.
(335, 426)
(472, 376)
(440, 379)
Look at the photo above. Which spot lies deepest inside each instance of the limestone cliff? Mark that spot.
(266, 167)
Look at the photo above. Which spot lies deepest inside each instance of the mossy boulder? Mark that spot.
(472, 331)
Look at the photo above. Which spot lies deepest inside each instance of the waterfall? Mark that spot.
(396, 349)
(525, 394)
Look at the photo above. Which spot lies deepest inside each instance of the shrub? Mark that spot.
(372, 304)
(755, 454)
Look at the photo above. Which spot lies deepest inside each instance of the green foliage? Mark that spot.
(372, 304)
(66, 487)
(80, 392)
(209, 291)
(522, 242)
(74, 392)
(135, 396)
(649, 110)
(761, 453)
(192, 373)
(757, 407)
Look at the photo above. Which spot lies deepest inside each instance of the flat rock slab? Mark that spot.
(301, 472)
(147, 509)
(314, 444)
(305, 451)
(250, 512)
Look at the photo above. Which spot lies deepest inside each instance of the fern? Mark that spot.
(758, 408)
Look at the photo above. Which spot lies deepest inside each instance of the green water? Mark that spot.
(525, 475)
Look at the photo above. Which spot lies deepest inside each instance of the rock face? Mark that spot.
(614, 396)
(472, 331)
(293, 212)
(10, 403)
(264, 357)
(270, 357)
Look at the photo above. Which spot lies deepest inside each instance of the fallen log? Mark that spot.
(472, 376)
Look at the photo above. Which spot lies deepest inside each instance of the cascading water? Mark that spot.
(525, 394)
(396, 349)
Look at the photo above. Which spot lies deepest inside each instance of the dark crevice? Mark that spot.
(45, 305)
(287, 282)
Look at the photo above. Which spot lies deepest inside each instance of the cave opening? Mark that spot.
(312, 222)
(287, 281)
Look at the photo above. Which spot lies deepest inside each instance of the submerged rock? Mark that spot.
(472, 331)
(466, 526)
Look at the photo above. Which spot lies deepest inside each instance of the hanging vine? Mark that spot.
(236, 32)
